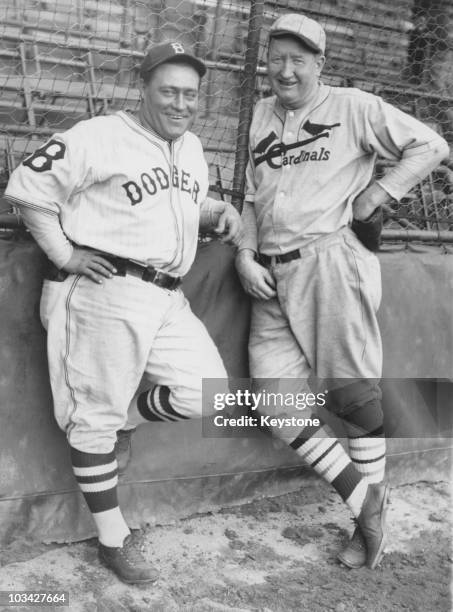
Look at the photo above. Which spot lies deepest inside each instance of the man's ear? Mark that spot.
(320, 61)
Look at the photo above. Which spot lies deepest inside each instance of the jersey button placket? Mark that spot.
(278, 199)
(289, 128)
(289, 133)
(288, 140)
(279, 206)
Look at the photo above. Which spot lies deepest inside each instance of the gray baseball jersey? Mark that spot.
(307, 166)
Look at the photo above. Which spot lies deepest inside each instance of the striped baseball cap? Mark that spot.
(302, 27)
(167, 52)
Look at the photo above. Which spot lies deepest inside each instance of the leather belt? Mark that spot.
(148, 274)
(126, 267)
(268, 260)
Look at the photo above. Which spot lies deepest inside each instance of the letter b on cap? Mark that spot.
(177, 48)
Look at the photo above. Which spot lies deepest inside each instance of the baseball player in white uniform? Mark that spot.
(116, 203)
(316, 287)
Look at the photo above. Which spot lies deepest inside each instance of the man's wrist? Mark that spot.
(369, 201)
(246, 253)
(67, 259)
(374, 215)
(364, 210)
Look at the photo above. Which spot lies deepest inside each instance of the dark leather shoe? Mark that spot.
(371, 521)
(354, 553)
(123, 448)
(128, 562)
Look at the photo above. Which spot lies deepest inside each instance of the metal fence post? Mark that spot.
(246, 105)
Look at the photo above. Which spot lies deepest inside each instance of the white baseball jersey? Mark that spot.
(117, 187)
(120, 188)
(307, 166)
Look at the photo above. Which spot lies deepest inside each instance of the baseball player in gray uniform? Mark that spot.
(116, 203)
(315, 286)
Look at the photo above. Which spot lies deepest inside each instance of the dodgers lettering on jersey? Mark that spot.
(41, 161)
(120, 188)
(160, 179)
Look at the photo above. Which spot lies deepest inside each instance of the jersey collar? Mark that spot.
(134, 123)
(321, 94)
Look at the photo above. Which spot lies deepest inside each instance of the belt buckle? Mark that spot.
(167, 281)
(149, 274)
(175, 283)
(159, 278)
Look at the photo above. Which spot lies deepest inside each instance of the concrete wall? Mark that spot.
(175, 470)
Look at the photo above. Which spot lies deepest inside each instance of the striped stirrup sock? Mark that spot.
(322, 451)
(368, 455)
(364, 425)
(97, 476)
(154, 405)
(366, 439)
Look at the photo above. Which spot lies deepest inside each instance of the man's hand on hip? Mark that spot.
(256, 280)
(90, 264)
(368, 218)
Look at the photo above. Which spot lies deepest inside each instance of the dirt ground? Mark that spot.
(271, 555)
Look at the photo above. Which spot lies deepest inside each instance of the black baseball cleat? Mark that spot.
(354, 553)
(128, 562)
(371, 521)
(123, 449)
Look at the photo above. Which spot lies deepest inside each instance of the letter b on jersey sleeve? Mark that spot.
(43, 158)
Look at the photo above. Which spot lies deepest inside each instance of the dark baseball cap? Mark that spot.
(168, 52)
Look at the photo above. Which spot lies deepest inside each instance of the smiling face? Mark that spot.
(293, 70)
(170, 99)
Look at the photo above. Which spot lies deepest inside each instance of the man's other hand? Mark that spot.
(229, 227)
(90, 264)
(256, 280)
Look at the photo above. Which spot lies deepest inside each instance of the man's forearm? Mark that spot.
(414, 166)
(47, 232)
(250, 239)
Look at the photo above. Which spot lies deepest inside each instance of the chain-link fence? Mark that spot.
(66, 60)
